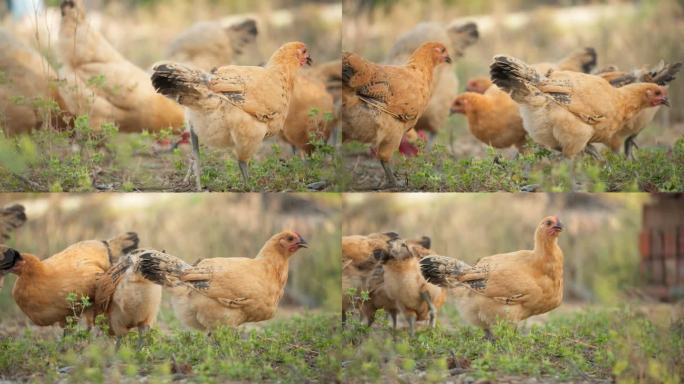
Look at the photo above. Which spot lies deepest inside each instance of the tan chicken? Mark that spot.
(360, 255)
(227, 290)
(127, 298)
(307, 118)
(479, 84)
(234, 107)
(445, 83)
(377, 296)
(105, 85)
(29, 89)
(567, 110)
(662, 74)
(42, 286)
(382, 102)
(211, 44)
(583, 60)
(404, 284)
(508, 286)
(493, 117)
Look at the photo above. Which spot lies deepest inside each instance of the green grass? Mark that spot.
(595, 345)
(654, 169)
(294, 350)
(83, 160)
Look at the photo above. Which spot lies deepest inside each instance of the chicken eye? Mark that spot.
(657, 93)
(290, 238)
(548, 222)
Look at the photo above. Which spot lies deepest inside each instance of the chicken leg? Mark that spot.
(389, 174)
(411, 318)
(194, 161)
(432, 311)
(245, 171)
(629, 144)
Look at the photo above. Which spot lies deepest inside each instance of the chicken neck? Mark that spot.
(30, 266)
(547, 252)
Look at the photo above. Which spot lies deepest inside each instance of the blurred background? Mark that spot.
(143, 30)
(617, 246)
(629, 34)
(191, 226)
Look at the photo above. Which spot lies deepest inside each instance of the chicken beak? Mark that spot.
(447, 59)
(309, 60)
(559, 226)
(302, 243)
(665, 101)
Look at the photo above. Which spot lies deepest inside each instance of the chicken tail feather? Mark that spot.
(121, 245)
(170, 271)
(177, 82)
(663, 74)
(514, 76)
(443, 271)
(584, 60)
(71, 9)
(11, 217)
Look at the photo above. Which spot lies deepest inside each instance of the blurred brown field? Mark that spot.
(600, 242)
(192, 226)
(629, 34)
(143, 30)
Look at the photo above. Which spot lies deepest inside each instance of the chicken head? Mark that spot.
(291, 241)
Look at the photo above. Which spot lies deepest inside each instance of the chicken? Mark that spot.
(331, 74)
(568, 110)
(582, 60)
(360, 255)
(127, 298)
(234, 106)
(308, 115)
(42, 286)
(493, 117)
(108, 87)
(377, 296)
(211, 44)
(225, 291)
(29, 89)
(509, 286)
(405, 285)
(445, 83)
(478, 84)
(662, 74)
(381, 102)
(11, 218)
